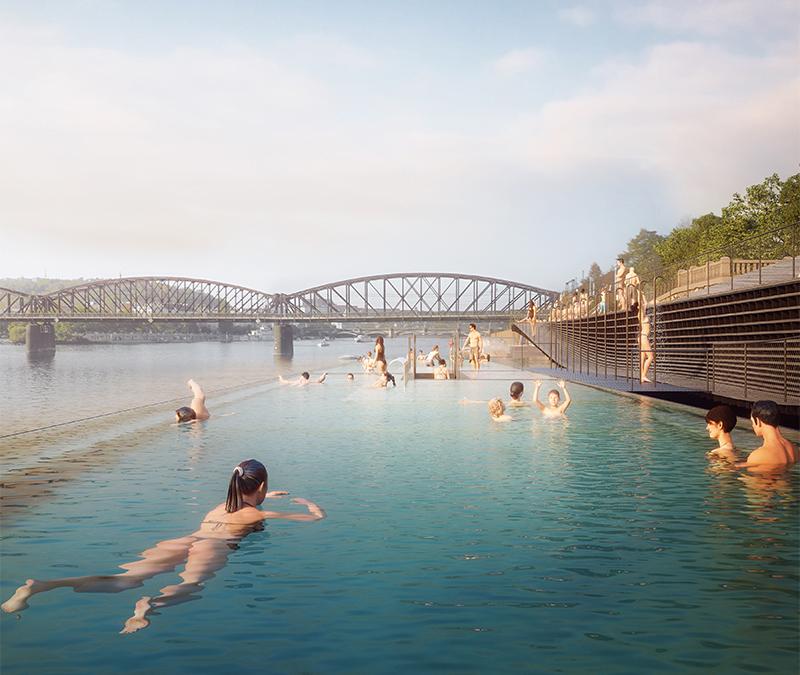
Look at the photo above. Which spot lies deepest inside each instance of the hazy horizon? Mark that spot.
(281, 146)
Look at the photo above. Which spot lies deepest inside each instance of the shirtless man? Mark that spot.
(554, 408)
(720, 421)
(196, 410)
(619, 283)
(475, 343)
(776, 452)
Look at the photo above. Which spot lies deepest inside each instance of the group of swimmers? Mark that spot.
(554, 407)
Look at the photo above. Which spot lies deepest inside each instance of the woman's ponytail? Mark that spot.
(246, 479)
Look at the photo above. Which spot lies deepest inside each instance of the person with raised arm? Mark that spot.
(776, 453)
(203, 552)
(196, 410)
(554, 408)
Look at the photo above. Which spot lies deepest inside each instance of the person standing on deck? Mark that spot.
(475, 343)
(619, 283)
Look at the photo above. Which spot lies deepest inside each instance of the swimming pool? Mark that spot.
(603, 542)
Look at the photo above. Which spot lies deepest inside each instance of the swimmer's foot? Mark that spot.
(18, 601)
(139, 619)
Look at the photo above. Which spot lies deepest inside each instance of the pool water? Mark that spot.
(601, 543)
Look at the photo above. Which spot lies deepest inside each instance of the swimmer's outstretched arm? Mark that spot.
(198, 401)
(322, 378)
(567, 399)
(314, 512)
(536, 387)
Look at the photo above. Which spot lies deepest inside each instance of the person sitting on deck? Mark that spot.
(441, 372)
(515, 392)
(776, 452)
(497, 411)
(196, 410)
(720, 421)
(204, 552)
(554, 408)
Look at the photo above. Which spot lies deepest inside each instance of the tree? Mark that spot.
(643, 254)
(595, 277)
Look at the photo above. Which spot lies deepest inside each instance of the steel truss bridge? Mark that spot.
(408, 296)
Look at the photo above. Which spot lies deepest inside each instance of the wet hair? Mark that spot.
(185, 414)
(496, 407)
(766, 412)
(389, 378)
(305, 375)
(723, 414)
(350, 376)
(246, 478)
(516, 390)
(554, 391)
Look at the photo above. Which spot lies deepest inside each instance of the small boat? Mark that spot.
(324, 343)
(349, 357)
(359, 338)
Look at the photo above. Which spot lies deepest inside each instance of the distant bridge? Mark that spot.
(406, 296)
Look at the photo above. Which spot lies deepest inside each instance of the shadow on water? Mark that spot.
(41, 359)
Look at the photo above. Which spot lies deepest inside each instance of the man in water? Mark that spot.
(555, 407)
(196, 410)
(515, 392)
(776, 452)
(720, 421)
(475, 343)
(619, 282)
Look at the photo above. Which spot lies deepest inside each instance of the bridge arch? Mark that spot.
(399, 296)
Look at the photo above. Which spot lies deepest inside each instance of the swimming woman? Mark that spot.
(203, 552)
(384, 379)
(196, 410)
(303, 380)
(720, 421)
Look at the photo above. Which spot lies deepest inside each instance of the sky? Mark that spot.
(283, 145)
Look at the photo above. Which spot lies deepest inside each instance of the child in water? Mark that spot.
(720, 421)
(497, 411)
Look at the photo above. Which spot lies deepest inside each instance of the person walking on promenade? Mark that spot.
(474, 342)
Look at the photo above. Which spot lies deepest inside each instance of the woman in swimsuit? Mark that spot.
(646, 355)
(203, 552)
(380, 355)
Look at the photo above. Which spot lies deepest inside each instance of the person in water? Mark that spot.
(497, 411)
(203, 552)
(350, 377)
(196, 410)
(441, 372)
(776, 453)
(515, 392)
(303, 380)
(384, 379)
(433, 358)
(720, 421)
(554, 408)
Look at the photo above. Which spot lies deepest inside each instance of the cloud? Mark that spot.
(712, 17)
(519, 61)
(701, 117)
(577, 16)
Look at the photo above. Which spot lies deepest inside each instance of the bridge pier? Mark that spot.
(225, 328)
(283, 334)
(40, 338)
